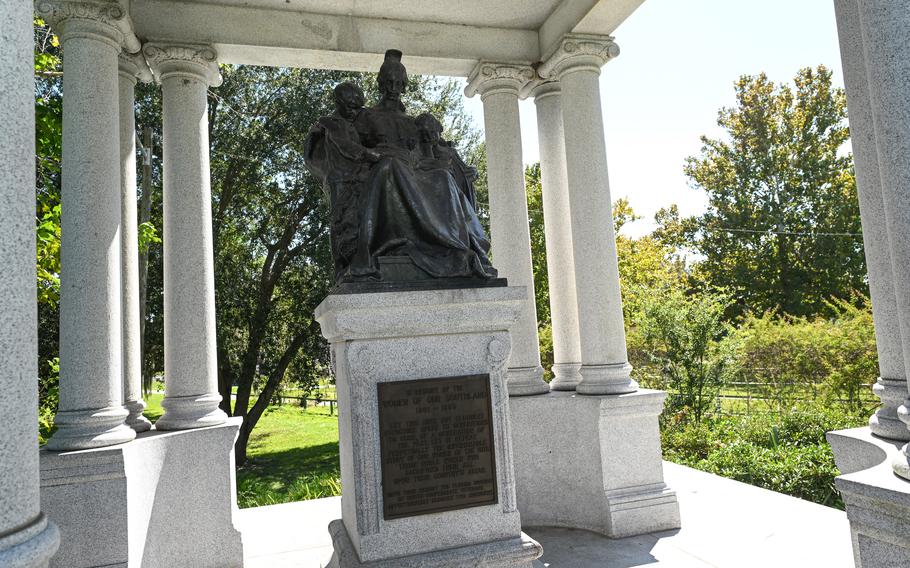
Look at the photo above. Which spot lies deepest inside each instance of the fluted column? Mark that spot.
(131, 69)
(90, 413)
(190, 362)
(27, 539)
(885, 29)
(498, 85)
(557, 230)
(576, 63)
(891, 386)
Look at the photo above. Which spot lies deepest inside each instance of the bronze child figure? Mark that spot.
(334, 152)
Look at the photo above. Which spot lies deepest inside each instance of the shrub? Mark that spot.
(794, 359)
(787, 453)
(681, 337)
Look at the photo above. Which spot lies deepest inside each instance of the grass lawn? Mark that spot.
(292, 455)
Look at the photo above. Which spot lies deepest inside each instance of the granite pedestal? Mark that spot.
(380, 340)
(877, 500)
(592, 462)
(164, 499)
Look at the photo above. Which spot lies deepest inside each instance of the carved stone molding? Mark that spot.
(362, 364)
(167, 59)
(498, 350)
(490, 77)
(133, 66)
(103, 18)
(578, 51)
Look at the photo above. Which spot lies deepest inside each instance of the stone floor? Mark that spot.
(726, 524)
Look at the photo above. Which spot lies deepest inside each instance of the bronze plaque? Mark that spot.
(436, 442)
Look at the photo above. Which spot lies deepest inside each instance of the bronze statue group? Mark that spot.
(395, 187)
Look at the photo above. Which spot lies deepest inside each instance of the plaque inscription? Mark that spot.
(436, 444)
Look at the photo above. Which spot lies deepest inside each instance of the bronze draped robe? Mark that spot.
(408, 211)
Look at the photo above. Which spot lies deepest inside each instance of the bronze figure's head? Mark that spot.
(393, 77)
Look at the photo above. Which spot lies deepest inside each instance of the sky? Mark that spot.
(678, 63)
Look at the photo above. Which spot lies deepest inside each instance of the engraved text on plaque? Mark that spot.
(436, 441)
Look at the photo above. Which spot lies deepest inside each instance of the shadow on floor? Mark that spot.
(572, 548)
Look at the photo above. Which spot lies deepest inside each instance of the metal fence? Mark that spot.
(305, 402)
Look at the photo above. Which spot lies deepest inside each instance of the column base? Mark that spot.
(188, 412)
(93, 428)
(606, 379)
(135, 419)
(518, 552)
(525, 381)
(886, 422)
(901, 462)
(592, 463)
(878, 502)
(158, 501)
(31, 546)
(566, 376)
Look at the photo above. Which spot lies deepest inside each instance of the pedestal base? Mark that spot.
(449, 499)
(188, 412)
(135, 419)
(164, 499)
(526, 381)
(592, 462)
(566, 376)
(512, 553)
(31, 546)
(886, 422)
(94, 428)
(877, 500)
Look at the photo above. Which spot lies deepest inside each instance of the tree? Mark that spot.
(782, 229)
(538, 243)
(48, 146)
(683, 342)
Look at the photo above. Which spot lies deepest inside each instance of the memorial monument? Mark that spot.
(419, 330)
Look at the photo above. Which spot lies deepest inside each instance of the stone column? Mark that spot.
(498, 85)
(90, 413)
(891, 386)
(27, 539)
(576, 63)
(190, 362)
(557, 229)
(131, 69)
(885, 28)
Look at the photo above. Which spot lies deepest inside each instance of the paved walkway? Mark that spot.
(726, 524)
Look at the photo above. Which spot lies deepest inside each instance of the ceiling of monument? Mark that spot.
(521, 14)
(438, 37)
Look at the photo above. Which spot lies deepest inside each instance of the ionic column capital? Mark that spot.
(133, 67)
(105, 20)
(173, 59)
(489, 77)
(578, 52)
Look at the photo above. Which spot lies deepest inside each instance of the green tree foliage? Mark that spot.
(48, 143)
(682, 339)
(794, 360)
(782, 230)
(538, 243)
(647, 265)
